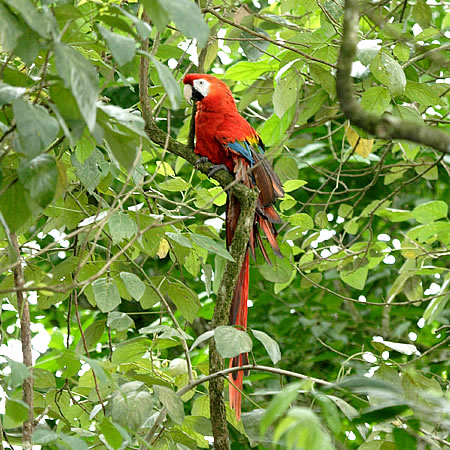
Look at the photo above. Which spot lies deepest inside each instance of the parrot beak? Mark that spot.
(188, 93)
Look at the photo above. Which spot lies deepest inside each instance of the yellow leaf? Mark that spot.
(163, 249)
(164, 169)
(363, 147)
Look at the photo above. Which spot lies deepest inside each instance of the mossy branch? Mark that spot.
(382, 127)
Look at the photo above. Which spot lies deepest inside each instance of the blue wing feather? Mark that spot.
(242, 148)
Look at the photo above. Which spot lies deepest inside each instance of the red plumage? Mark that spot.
(226, 138)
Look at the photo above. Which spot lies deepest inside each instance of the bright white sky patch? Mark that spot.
(172, 63)
(412, 336)
(384, 237)
(385, 355)
(421, 322)
(390, 259)
(249, 303)
(397, 244)
(369, 357)
(362, 299)
(350, 435)
(416, 29)
(340, 219)
(433, 289)
(215, 222)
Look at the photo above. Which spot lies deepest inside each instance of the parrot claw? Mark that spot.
(201, 160)
(216, 168)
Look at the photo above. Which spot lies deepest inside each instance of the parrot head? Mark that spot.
(206, 88)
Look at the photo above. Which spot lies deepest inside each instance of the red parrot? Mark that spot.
(226, 139)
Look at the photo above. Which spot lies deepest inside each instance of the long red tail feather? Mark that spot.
(238, 316)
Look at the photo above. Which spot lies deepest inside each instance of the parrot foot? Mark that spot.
(201, 160)
(216, 168)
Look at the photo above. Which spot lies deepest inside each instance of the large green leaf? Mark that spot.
(245, 71)
(135, 286)
(286, 92)
(211, 245)
(14, 206)
(106, 294)
(168, 81)
(81, 77)
(185, 300)
(172, 402)
(271, 346)
(231, 342)
(430, 211)
(122, 226)
(376, 99)
(39, 177)
(122, 48)
(36, 127)
(389, 72)
(10, 29)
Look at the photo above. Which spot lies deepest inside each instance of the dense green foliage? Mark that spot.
(114, 230)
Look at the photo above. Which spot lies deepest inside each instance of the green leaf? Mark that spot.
(437, 305)
(92, 334)
(301, 220)
(179, 239)
(122, 226)
(211, 245)
(376, 99)
(402, 51)
(10, 30)
(16, 412)
(81, 77)
(430, 211)
(271, 346)
(176, 184)
(292, 185)
(37, 22)
(39, 177)
(122, 48)
(10, 93)
(132, 404)
(311, 105)
(422, 93)
(14, 206)
(247, 71)
(355, 273)
(106, 294)
(188, 19)
(286, 93)
(404, 440)
(253, 49)
(185, 299)
(168, 81)
(36, 128)
(279, 271)
(172, 403)
(386, 411)
(389, 72)
(135, 286)
(422, 13)
(413, 288)
(321, 219)
(394, 215)
(120, 321)
(111, 433)
(19, 372)
(278, 406)
(231, 342)
(156, 11)
(92, 170)
(131, 350)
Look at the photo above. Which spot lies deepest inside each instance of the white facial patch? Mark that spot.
(188, 93)
(201, 86)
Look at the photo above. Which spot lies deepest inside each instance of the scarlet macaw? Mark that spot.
(226, 139)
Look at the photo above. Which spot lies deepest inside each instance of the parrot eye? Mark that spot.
(202, 87)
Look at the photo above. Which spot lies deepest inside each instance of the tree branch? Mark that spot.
(25, 337)
(382, 127)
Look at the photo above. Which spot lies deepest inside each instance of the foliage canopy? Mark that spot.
(117, 244)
